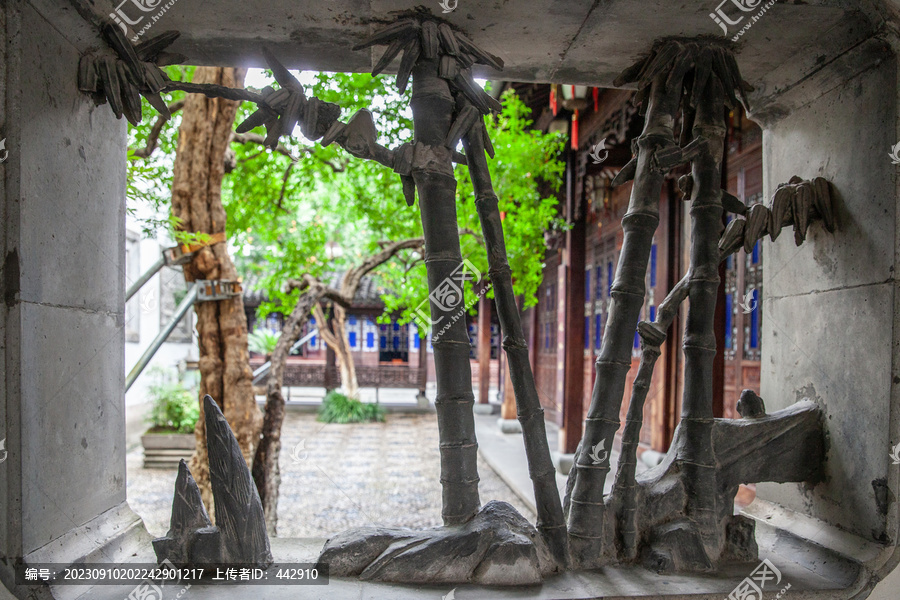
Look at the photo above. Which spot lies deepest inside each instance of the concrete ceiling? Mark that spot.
(563, 41)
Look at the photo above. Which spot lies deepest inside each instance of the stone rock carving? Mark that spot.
(676, 517)
(495, 547)
(239, 536)
(751, 406)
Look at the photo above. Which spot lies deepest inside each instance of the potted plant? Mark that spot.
(263, 341)
(173, 415)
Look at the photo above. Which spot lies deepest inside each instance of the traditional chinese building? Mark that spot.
(581, 263)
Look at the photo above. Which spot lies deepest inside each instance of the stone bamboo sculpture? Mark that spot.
(675, 517)
(239, 536)
(447, 106)
(700, 532)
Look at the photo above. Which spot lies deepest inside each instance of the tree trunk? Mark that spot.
(432, 107)
(587, 510)
(225, 374)
(344, 356)
(336, 339)
(266, 473)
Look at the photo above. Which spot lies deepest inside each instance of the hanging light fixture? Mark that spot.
(574, 97)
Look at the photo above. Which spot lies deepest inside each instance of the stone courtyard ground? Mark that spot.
(338, 476)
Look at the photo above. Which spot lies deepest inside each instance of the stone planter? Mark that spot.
(164, 450)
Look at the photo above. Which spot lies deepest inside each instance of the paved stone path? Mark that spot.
(339, 476)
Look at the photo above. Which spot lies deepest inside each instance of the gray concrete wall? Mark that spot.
(830, 312)
(63, 284)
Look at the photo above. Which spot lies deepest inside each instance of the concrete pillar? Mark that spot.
(831, 310)
(62, 485)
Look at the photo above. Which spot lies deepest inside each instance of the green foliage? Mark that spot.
(281, 213)
(149, 180)
(524, 160)
(338, 408)
(263, 341)
(174, 408)
(282, 210)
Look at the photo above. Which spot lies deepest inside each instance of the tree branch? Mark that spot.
(308, 281)
(153, 138)
(255, 138)
(321, 322)
(284, 180)
(352, 278)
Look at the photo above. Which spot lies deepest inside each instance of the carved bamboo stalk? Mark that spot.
(550, 521)
(586, 507)
(432, 170)
(698, 461)
(624, 492)
(739, 234)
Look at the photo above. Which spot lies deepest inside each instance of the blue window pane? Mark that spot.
(598, 281)
(370, 339)
(352, 338)
(754, 321)
(652, 314)
(352, 320)
(396, 342)
(653, 265)
(312, 321)
(729, 262)
(598, 330)
(417, 341)
(312, 341)
(587, 333)
(729, 306)
(396, 326)
(637, 339)
(383, 342)
(609, 278)
(755, 255)
(587, 286)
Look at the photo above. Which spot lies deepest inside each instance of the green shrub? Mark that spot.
(175, 409)
(263, 341)
(338, 408)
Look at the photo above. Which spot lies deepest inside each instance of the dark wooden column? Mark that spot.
(484, 349)
(671, 353)
(573, 379)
